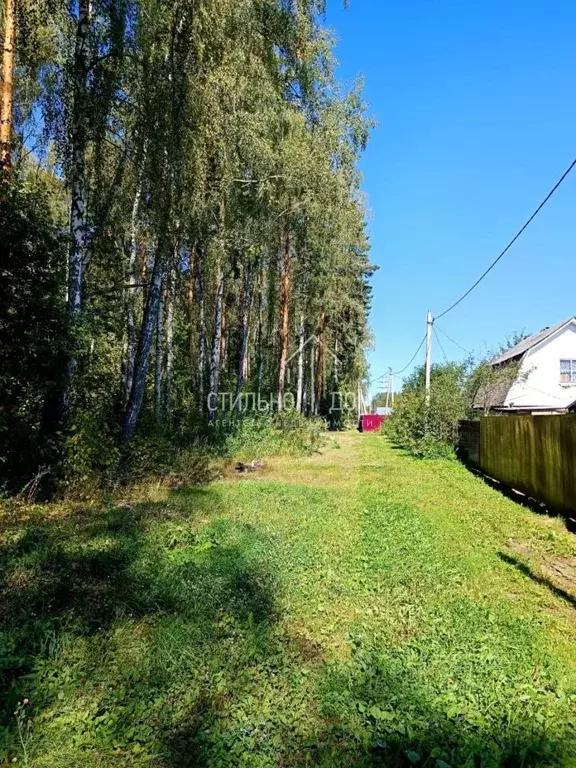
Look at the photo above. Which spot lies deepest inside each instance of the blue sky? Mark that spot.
(475, 106)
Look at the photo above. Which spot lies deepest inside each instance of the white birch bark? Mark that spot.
(145, 340)
(215, 356)
(159, 358)
(244, 332)
(201, 331)
(133, 276)
(300, 382)
(169, 344)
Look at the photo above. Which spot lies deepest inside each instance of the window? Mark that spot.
(567, 371)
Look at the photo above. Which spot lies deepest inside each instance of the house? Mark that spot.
(536, 376)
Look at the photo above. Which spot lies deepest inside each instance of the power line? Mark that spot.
(511, 243)
(439, 343)
(454, 342)
(372, 382)
(397, 373)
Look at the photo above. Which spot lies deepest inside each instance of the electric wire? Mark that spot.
(511, 243)
(440, 343)
(397, 373)
(484, 274)
(453, 342)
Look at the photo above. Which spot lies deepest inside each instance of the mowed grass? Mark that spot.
(352, 608)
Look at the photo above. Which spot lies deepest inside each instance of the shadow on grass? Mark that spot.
(88, 573)
(381, 711)
(375, 713)
(151, 636)
(78, 569)
(526, 570)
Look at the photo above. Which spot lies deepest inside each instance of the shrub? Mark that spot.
(427, 431)
(248, 437)
(32, 332)
(90, 457)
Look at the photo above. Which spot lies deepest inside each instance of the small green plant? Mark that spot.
(23, 727)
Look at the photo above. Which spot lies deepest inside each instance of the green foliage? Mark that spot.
(258, 436)
(380, 399)
(203, 150)
(428, 431)
(458, 391)
(32, 332)
(487, 385)
(275, 621)
(91, 457)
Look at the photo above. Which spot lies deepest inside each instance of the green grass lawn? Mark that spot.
(352, 608)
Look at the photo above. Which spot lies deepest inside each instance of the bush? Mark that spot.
(158, 457)
(252, 436)
(91, 457)
(93, 462)
(428, 431)
(32, 332)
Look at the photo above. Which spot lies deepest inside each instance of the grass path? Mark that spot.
(353, 608)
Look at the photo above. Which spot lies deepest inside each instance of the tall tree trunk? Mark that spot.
(284, 317)
(336, 363)
(215, 355)
(190, 303)
(320, 368)
(77, 250)
(133, 274)
(145, 339)
(159, 358)
(201, 331)
(7, 85)
(224, 336)
(247, 370)
(169, 344)
(305, 373)
(270, 326)
(144, 252)
(243, 357)
(259, 332)
(300, 382)
(312, 379)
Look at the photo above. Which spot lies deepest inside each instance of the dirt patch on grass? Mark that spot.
(310, 650)
(557, 572)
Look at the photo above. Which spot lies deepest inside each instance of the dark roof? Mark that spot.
(492, 395)
(530, 342)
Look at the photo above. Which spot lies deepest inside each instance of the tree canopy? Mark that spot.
(196, 164)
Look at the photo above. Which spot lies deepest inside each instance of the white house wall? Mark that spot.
(541, 387)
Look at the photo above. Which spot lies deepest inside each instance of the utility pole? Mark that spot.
(429, 322)
(359, 396)
(390, 388)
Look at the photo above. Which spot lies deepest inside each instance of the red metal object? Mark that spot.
(370, 422)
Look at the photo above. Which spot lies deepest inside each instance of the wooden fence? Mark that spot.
(533, 454)
(469, 442)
